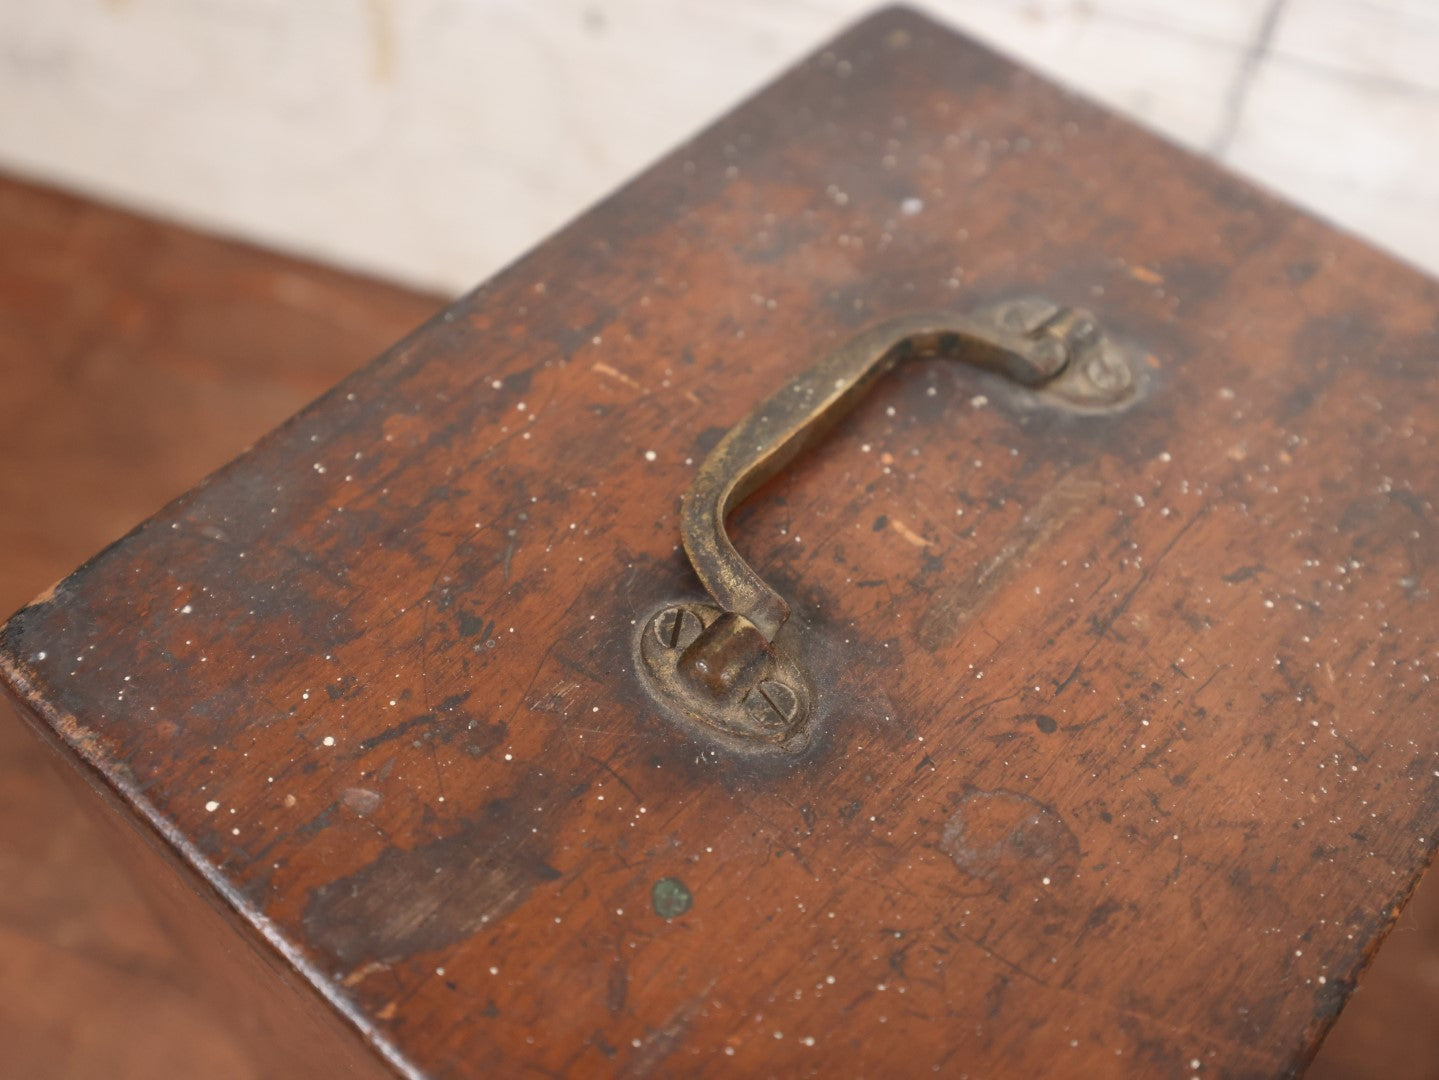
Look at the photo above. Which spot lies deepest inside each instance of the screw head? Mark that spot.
(1028, 315)
(1107, 375)
(772, 704)
(676, 627)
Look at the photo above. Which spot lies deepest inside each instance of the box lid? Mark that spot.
(1124, 753)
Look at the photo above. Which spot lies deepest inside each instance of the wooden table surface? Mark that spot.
(130, 349)
(135, 357)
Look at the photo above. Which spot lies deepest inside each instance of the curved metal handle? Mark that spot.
(1029, 341)
(720, 666)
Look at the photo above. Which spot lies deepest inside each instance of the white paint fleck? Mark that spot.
(186, 610)
(650, 455)
(911, 206)
(328, 740)
(212, 806)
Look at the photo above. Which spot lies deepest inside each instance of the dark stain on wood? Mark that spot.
(417, 900)
(1010, 842)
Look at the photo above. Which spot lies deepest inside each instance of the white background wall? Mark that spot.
(433, 140)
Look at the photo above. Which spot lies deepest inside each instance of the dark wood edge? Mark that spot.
(80, 754)
(1397, 905)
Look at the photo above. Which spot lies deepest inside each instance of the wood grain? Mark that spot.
(1151, 799)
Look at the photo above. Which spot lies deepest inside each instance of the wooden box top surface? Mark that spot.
(1128, 753)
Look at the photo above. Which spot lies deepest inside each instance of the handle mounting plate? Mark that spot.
(716, 672)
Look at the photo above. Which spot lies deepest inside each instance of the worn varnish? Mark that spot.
(1127, 754)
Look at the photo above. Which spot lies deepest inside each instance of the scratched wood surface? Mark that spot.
(1128, 759)
(120, 995)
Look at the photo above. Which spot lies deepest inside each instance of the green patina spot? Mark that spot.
(671, 898)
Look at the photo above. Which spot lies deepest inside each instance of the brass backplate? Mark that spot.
(716, 676)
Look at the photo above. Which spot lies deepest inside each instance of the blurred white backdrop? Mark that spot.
(431, 141)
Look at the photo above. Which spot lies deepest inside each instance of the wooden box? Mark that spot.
(1070, 711)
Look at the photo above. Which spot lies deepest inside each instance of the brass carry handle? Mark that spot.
(724, 666)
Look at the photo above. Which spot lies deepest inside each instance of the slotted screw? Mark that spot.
(1028, 317)
(1107, 375)
(677, 627)
(772, 704)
